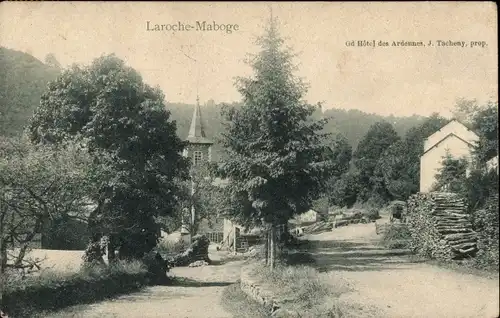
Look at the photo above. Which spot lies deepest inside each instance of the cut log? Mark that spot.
(459, 235)
(463, 246)
(468, 251)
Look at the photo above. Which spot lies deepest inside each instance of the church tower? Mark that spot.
(199, 148)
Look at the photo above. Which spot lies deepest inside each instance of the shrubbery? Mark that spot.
(486, 222)
(305, 291)
(52, 290)
(371, 214)
(397, 236)
(166, 247)
(300, 285)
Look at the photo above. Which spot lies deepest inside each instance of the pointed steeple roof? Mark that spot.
(196, 131)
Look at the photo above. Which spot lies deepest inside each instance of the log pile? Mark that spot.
(318, 227)
(198, 251)
(351, 217)
(440, 226)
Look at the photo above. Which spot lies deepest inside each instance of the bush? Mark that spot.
(397, 236)
(371, 214)
(486, 223)
(171, 247)
(157, 267)
(52, 290)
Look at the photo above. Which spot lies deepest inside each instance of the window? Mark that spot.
(197, 157)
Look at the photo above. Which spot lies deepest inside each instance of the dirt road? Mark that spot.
(400, 288)
(196, 296)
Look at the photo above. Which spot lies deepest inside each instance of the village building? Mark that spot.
(198, 150)
(454, 139)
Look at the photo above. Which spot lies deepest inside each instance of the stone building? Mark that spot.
(198, 150)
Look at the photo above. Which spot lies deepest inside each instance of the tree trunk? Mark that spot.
(111, 249)
(234, 238)
(93, 252)
(3, 249)
(272, 245)
(266, 245)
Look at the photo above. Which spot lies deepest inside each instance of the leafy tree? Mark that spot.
(451, 175)
(395, 168)
(340, 154)
(125, 127)
(482, 184)
(321, 205)
(345, 191)
(414, 140)
(397, 174)
(485, 124)
(379, 137)
(479, 186)
(466, 109)
(275, 157)
(39, 184)
(204, 194)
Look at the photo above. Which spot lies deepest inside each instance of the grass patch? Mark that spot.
(298, 285)
(51, 290)
(310, 293)
(239, 304)
(397, 236)
(303, 289)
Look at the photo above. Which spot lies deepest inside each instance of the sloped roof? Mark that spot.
(452, 128)
(196, 130)
(443, 139)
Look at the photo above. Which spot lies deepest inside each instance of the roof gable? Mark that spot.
(455, 128)
(446, 137)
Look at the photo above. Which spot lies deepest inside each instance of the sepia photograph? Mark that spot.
(249, 159)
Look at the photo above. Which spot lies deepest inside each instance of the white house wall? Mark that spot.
(431, 162)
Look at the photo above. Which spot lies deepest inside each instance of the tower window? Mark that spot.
(198, 157)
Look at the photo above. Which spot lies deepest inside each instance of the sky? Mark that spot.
(384, 80)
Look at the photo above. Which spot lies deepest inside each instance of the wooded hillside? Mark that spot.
(25, 79)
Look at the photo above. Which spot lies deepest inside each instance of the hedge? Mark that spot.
(51, 292)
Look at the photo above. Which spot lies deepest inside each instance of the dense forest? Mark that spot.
(24, 79)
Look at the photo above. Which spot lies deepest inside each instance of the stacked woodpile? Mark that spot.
(440, 226)
(350, 217)
(318, 227)
(198, 251)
